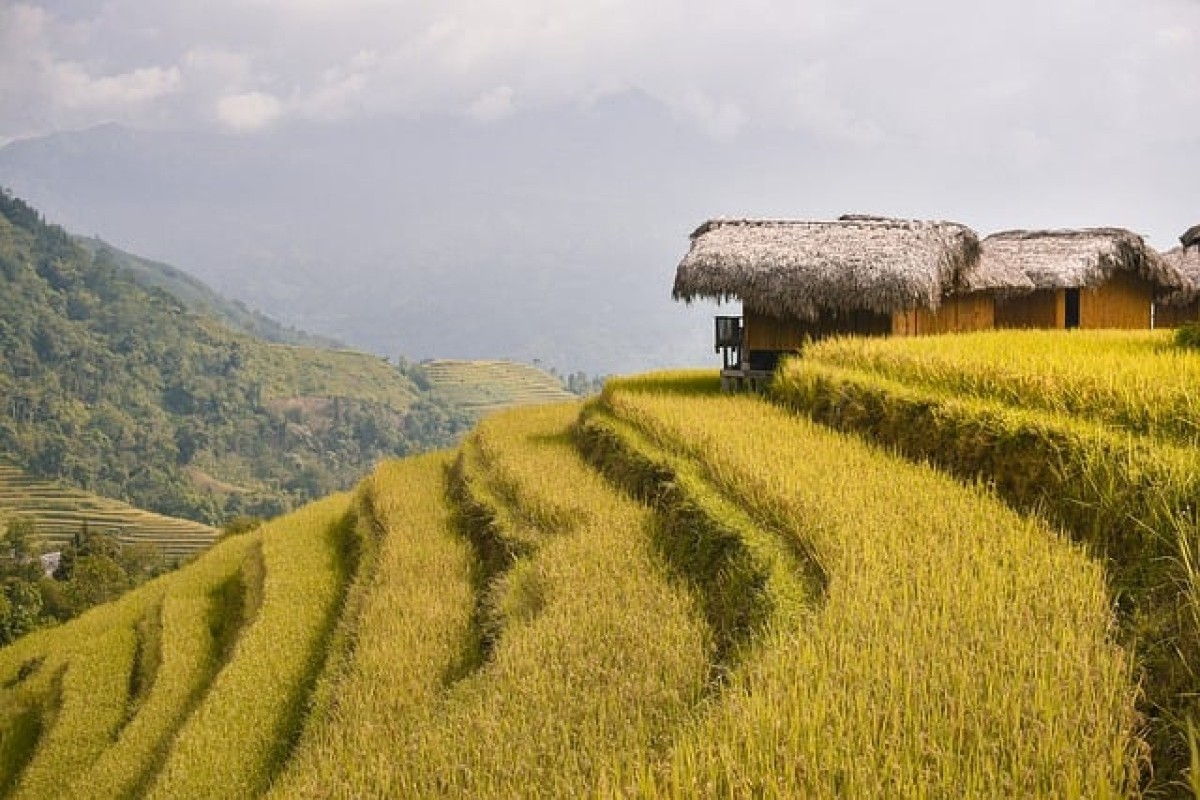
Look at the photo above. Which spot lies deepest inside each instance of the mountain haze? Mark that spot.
(121, 390)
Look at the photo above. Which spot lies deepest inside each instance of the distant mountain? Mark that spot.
(121, 390)
(202, 299)
(550, 237)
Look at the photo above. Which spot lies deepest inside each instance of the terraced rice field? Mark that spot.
(480, 387)
(60, 512)
(665, 592)
(1094, 431)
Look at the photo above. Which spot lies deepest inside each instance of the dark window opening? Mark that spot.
(1072, 315)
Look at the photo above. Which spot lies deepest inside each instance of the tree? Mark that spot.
(20, 608)
(94, 580)
(20, 540)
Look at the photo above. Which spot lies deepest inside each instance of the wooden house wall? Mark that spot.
(971, 312)
(1174, 316)
(765, 332)
(1045, 308)
(1122, 302)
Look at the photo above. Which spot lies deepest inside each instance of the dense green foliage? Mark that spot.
(92, 568)
(120, 390)
(1188, 335)
(198, 297)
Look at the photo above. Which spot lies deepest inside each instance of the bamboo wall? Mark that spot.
(1174, 316)
(971, 312)
(1045, 308)
(1122, 302)
(765, 332)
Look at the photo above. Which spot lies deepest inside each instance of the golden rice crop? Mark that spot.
(961, 650)
(1133, 379)
(414, 632)
(599, 659)
(92, 704)
(189, 661)
(66, 693)
(239, 734)
(1130, 498)
(743, 576)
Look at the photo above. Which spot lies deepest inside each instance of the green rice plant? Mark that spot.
(1131, 379)
(240, 734)
(1128, 498)
(201, 613)
(599, 659)
(961, 650)
(1187, 335)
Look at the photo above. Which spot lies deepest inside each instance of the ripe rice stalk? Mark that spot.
(237, 738)
(203, 609)
(961, 650)
(599, 658)
(1128, 497)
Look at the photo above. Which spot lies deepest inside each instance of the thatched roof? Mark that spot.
(1190, 237)
(1073, 259)
(802, 269)
(1186, 263)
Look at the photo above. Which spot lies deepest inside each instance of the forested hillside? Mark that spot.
(199, 297)
(119, 389)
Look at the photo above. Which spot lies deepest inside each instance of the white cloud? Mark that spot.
(853, 72)
(720, 119)
(75, 89)
(249, 111)
(492, 105)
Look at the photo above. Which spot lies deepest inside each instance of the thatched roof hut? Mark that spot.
(1191, 237)
(1075, 259)
(1185, 261)
(804, 269)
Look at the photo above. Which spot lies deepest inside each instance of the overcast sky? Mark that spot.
(1025, 113)
(1023, 78)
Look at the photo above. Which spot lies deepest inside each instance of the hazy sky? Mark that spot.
(1025, 79)
(1026, 113)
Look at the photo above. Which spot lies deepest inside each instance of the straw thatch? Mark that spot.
(1074, 259)
(1191, 237)
(806, 269)
(1186, 263)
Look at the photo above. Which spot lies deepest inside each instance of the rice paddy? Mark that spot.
(663, 592)
(59, 513)
(480, 387)
(1090, 430)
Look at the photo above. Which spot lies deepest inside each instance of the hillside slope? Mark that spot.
(200, 298)
(120, 390)
(665, 592)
